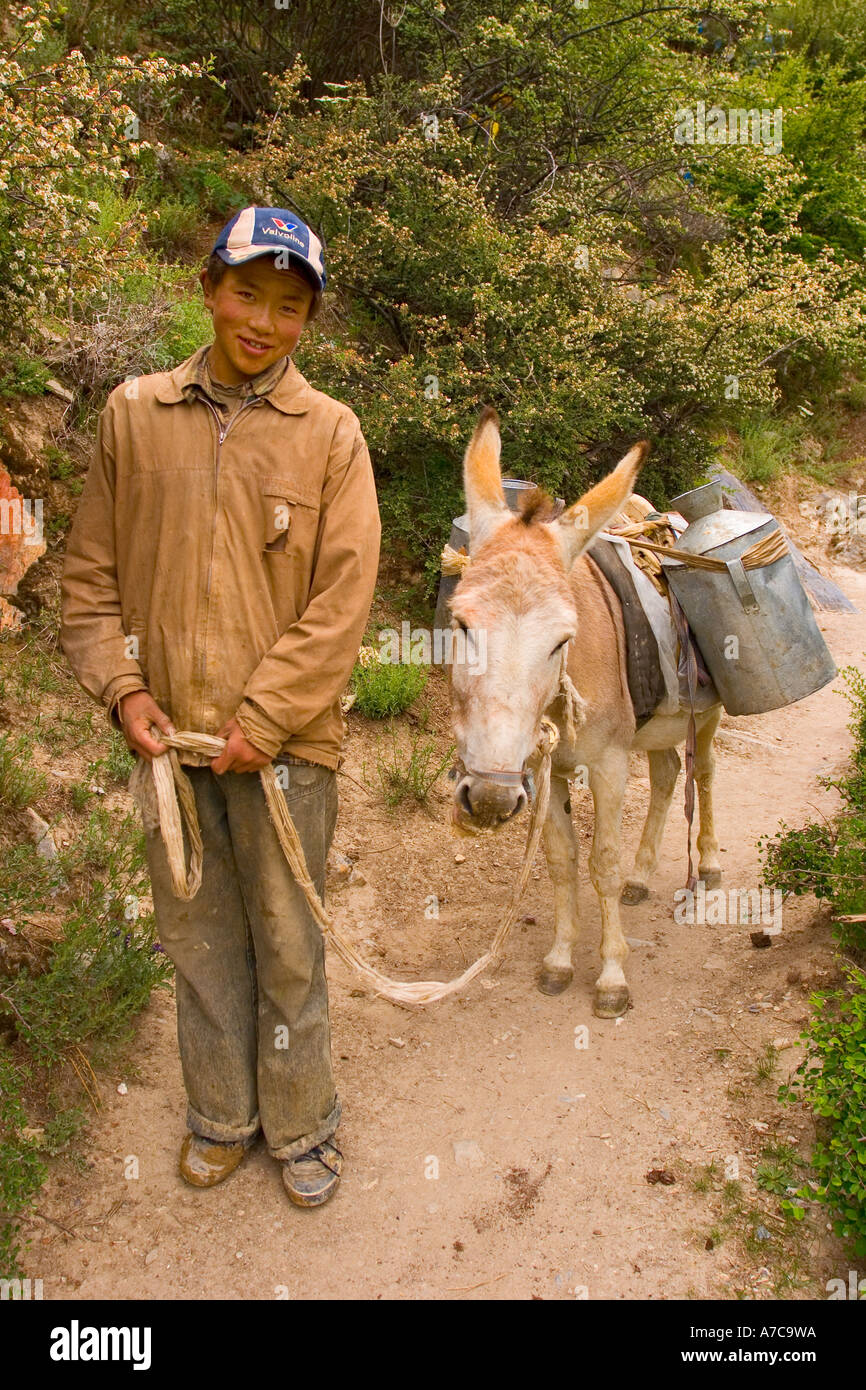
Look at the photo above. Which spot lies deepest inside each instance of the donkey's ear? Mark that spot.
(580, 524)
(482, 480)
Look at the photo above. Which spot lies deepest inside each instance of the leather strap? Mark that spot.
(688, 652)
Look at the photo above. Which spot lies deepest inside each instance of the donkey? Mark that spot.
(544, 608)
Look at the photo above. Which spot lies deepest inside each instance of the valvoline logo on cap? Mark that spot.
(256, 231)
(287, 232)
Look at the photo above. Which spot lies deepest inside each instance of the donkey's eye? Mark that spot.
(559, 646)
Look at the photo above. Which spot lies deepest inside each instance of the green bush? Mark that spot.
(832, 1080)
(120, 761)
(855, 396)
(409, 773)
(99, 975)
(828, 858)
(768, 445)
(824, 113)
(193, 179)
(386, 688)
(26, 879)
(454, 288)
(20, 782)
(145, 321)
(24, 376)
(173, 228)
(22, 1172)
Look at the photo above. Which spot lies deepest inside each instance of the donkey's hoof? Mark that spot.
(633, 893)
(711, 877)
(611, 1003)
(554, 981)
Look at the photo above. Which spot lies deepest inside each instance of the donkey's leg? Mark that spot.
(560, 848)
(607, 780)
(664, 767)
(709, 864)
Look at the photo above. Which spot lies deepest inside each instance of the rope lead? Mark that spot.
(171, 783)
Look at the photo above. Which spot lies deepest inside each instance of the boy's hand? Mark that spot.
(138, 711)
(239, 755)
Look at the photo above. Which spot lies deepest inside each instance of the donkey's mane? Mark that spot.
(537, 506)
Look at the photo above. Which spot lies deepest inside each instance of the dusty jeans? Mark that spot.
(252, 997)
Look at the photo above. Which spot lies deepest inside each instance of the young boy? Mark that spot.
(218, 578)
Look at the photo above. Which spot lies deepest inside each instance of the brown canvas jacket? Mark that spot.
(230, 577)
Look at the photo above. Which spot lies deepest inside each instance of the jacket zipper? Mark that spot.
(222, 432)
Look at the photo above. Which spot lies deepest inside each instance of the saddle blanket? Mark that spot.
(656, 667)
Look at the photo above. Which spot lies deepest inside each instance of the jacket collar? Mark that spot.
(291, 395)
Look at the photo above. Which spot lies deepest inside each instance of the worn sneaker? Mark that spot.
(204, 1162)
(313, 1177)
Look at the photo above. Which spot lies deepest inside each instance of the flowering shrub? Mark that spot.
(507, 213)
(70, 130)
(552, 314)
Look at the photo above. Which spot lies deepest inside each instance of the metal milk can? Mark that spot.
(755, 627)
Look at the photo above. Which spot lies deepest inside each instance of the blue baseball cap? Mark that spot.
(265, 231)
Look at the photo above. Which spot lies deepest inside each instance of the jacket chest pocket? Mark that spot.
(289, 520)
(276, 521)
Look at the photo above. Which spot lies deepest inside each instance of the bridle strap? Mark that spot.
(506, 778)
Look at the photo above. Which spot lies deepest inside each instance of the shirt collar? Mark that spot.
(221, 393)
(289, 393)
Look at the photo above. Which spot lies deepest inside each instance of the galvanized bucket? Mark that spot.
(755, 627)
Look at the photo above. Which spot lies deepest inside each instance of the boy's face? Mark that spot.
(258, 313)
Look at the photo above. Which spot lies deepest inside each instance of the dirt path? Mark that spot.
(541, 1148)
